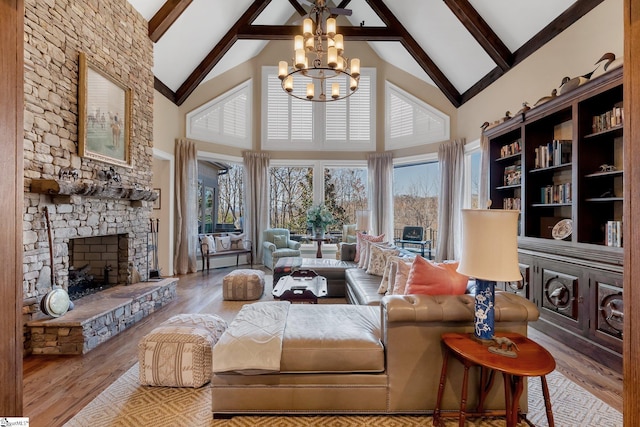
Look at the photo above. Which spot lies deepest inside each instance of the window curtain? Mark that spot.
(483, 190)
(381, 193)
(186, 207)
(256, 174)
(451, 160)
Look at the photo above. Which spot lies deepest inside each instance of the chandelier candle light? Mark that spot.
(489, 254)
(320, 38)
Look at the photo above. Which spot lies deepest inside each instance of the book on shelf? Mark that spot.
(614, 234)
(608, 119)
(512, 175)
(558, 193)
(511, 203)
(510, 149)
(555, 153)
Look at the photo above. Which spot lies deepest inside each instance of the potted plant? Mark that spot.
(319, 217)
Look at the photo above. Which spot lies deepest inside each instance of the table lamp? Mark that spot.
(362, 221)
(489, 254)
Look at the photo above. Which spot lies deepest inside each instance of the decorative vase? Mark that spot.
(319, 231)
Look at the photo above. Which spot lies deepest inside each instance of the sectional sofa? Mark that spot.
(381, 354)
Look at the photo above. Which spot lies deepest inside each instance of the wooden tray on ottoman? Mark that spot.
(300, 289)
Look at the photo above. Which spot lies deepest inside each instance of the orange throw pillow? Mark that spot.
(433, 278)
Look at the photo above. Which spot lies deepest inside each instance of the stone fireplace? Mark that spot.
(71, 189)
(97, 263)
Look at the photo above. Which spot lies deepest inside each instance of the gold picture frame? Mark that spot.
(104, 115)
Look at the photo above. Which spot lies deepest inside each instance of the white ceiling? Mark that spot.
(431, 23)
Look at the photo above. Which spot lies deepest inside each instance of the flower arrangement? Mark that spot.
(319, 217)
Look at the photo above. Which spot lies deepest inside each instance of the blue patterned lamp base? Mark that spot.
(484, 309)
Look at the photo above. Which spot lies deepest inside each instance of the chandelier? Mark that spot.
(321, 42)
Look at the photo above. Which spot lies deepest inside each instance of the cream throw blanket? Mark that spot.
(252, 344)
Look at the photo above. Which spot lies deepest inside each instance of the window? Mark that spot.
(346, 125)
(416, 189)
(220, 196)
(410, 121)
(290, 195)
(225, 119)
(231, 197)
(345, 192)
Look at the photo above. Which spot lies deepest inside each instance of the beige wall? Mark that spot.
(572, 53)
(166, 123)
(276, 50)
(166, 119)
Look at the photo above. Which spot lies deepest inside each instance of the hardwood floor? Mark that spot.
(57, 387)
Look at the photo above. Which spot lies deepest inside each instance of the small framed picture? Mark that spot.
(156, 202)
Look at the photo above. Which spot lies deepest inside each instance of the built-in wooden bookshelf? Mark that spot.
(561, 165)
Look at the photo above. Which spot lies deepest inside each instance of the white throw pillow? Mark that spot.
(388, 277)
(211, 243)
(223, 243)
(378, 256)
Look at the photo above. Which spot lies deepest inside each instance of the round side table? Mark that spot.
(532, 361)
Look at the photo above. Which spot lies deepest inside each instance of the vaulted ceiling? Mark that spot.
(459, 46)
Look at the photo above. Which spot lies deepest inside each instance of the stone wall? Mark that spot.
(114, 37)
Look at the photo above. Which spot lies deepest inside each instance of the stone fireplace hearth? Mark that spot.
(99, 317)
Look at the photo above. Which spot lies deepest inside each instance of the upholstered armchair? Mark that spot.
(277, 244)
(349, 233)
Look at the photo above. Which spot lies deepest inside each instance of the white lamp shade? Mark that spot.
(335, 90)
(331, 27)
(490, 245)
(283, 67)
(353, 84)
(339, 42)
(355, 67)
(307, 27)
(332, 57)
(362, 220)
(300, 59)
(288, 83)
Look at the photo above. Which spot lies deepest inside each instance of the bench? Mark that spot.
(208, 253)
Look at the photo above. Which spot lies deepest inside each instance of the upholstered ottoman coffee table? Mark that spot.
(178, 352)
(243, 285)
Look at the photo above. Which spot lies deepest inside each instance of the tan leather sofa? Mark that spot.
(346, 359)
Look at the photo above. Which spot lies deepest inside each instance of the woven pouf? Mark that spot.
(243, 285)
(178, 352)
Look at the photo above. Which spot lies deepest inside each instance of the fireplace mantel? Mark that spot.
(88, 188)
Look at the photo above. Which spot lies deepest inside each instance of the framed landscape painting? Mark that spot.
(104, 115)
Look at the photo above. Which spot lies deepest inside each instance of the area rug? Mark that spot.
(127, 404)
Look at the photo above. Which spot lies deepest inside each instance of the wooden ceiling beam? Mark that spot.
(164, 89)
(555, 27)
(216, 54)
(286, 32)
(343, 4)
(482, 32)
(165, 17)
(394, 31)
(416, 51)
(298, 7)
